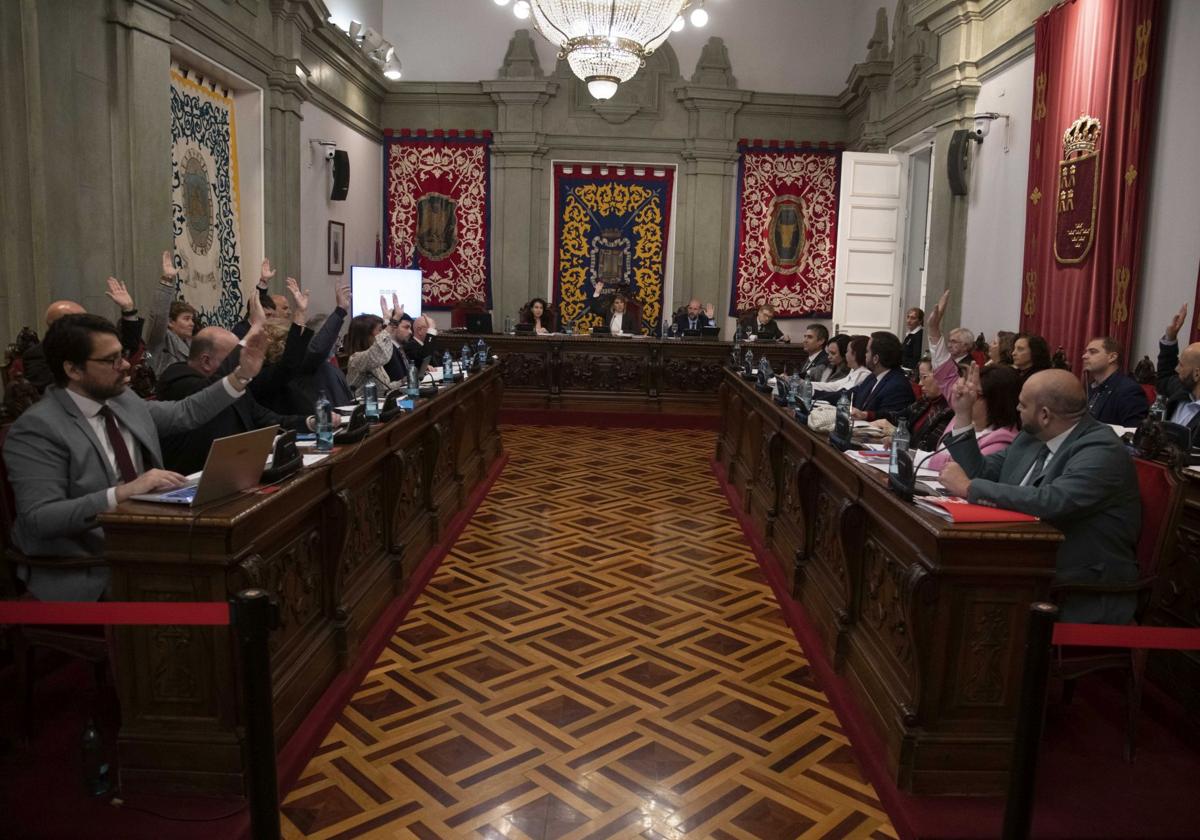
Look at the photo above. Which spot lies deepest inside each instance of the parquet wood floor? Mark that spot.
(598, 657)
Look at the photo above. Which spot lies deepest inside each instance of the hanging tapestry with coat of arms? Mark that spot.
(611, 228)
(786, 229)
(437, 193)
(205, 209)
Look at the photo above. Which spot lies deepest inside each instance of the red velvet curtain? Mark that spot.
(1083, 225)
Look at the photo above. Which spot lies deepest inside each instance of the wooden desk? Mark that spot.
(334, 544)
(925, 620)
(678, 375)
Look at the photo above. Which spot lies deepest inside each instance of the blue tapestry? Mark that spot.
(612, 223)
(205, 207)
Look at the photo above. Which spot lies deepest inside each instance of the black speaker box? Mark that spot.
(341, 176)
(957, 160)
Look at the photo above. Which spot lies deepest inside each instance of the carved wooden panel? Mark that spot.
(525, 370)
(984, 655)
(292, 575)
(890, 589)
(410, 494)
(692, 374)
(364, 539)
(604, 372)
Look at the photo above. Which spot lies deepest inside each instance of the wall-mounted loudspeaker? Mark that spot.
(958, 159)
(341, 176)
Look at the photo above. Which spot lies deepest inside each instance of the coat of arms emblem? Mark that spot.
(1078, 191)
(437, 226)
(786, 235)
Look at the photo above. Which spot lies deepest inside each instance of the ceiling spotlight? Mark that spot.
(501, 2)
(521, 9)
(355, 29)
(699, 16)
(678, 25)
(372, 40)
(391, 70)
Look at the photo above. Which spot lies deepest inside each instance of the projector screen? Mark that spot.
(367, 283)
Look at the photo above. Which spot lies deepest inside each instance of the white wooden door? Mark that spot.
(869, 277)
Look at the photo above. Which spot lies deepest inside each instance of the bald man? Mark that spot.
(33, 362)
(1179, 377)
(695, 317)
(1070, 470)
(185, 452)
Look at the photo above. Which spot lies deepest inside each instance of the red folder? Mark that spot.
(961, 511)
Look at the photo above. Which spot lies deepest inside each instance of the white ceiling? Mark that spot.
(784, 46)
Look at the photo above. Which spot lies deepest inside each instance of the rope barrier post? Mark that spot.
(1018, 807)
(254, 616)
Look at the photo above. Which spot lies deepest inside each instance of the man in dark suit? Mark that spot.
(914, 339)
(886, 392)
(90, 444)
(1112, 396)
(816, 367)
(186, 452)
(764, 327)
(695, 317)
(1179, 377)
(1070, 470)
(419, 347)
(38, 373)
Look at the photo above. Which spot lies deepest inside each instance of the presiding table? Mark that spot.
(334, 545)
(925, 620)
(639, 373)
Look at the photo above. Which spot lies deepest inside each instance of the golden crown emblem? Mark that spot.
(1082, 138)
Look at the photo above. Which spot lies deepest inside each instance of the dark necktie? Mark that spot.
(1039, 464)
(693, 324)
(120, 450)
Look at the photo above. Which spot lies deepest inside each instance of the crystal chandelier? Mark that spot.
(606, 42)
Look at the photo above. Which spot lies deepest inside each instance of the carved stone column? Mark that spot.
(519, 216)
(286, 91)
(705, 201)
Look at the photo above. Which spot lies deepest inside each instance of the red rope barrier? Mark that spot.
(214, 614)
(1127, 636)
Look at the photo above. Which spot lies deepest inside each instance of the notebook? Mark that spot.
(961, 511)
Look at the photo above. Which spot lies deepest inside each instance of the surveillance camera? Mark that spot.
(330, 151)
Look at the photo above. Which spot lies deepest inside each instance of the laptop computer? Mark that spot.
(234, 464)
(479, 322)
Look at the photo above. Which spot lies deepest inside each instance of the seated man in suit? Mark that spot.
(1113, 397)
(39, 374)
(1067, 468)
(186, 452)
(696, 317)
(418, 347)
(764, 327)
(90, 444)
(886, 393)
(1179, 377)
(816, 367)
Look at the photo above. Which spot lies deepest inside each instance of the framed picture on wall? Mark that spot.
(337, 248)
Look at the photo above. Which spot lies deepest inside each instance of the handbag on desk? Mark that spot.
(822, 416)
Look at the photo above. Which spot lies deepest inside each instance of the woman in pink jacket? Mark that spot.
(994, 416)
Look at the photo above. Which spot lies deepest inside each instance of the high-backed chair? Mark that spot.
(471, 306)
(1159, 500)
(549, 317)
(80, 642)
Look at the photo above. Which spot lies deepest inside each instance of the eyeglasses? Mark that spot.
(113, 361)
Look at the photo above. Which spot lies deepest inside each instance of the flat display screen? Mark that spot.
(367, 283)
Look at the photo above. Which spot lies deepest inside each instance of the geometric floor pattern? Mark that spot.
(598, 657)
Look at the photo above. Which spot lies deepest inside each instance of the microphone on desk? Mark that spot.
(902, 473)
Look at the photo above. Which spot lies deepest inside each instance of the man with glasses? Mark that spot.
(90, 444)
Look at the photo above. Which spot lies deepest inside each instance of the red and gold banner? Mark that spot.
(1094, 86)
(787, 229)
(437, 192)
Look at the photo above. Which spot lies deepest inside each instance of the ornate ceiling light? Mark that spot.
(606, 41)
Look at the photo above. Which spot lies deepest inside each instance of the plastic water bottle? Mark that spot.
(843, 405)
(749, 361)
(1158, 411)
(324, 412)
(806, 390)
(371, 399)
(899, 444)
(447, 367)
(464, 357)
(667, 332)
(508, 325)
(481, 352)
